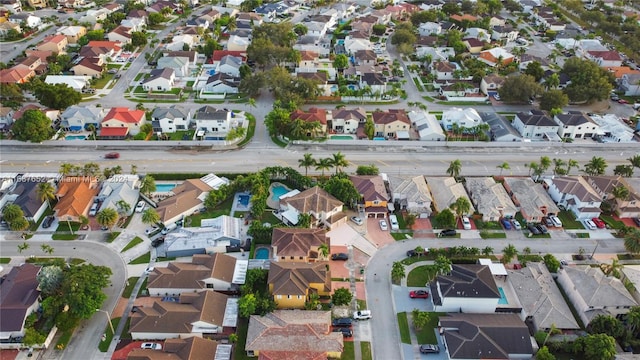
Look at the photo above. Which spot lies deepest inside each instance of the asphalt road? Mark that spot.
(85, 341)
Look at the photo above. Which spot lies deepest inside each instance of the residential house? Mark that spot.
(345, 120)
(429, 28)
(291, 283)
(463, 18)
(352, 44)
(76, 82)
(374, 194)
(6, 118)
(468, 288)
(19, 298)
(25, 195)
(631, 273)
(13, 6)
(478, 336)
(375, 81)
(410, 194)
(135, 24)
(605, 185)
(496, 56)
(221, 83)
(438, 53)
(179, 64)
(321, 46)
(299, 245)
(473, 45)
(239, 40)
(526, 59)
(187, 198)
(445, 191)
(477, 33)
(88, 67)
(297, 334)
(490, 84)
(490, 199)
(120, 35)
(576, 125)
(462, 118)
(120, 122)
(504, 33)
(205, 272)
(365, 58)
(78, 118)
(192, 348)
(536, 125)
(630, 84)
(500, 128)
(120, 189)
(592, 293)
(160, 80)
(27, 19)
(55, 43)
(94, 16)
(32, 63)
(214, 123)
(612, 129)
(75, 197)
(531, 198)
(7, 26)
(542, 303)
(137, 14)
(391, 123)
(16, 75)
(229, 65)
(179, 42)
(200, 314)
(312, 116)
(170, 119)
(427, 126)
(73, 33)
(324, 209)
(443, 70)
(576, 195)
(215, 236)
(109, 49)
(605, 59)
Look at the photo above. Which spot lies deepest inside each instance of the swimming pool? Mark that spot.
(244, 200)
(262, 253)
(341, 137)
(278, 191)
(352, 87)
(75, 137)
(212, 72)
(340, 42)
(164, 187)
(503, 297)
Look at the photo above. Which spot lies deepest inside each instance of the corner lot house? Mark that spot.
(592, 293)
(576, 195)
(25, 195)
(576, 125)
(604, 186)
(291, 283)
(293, 334)
(536, 125)
(467, 288)
(18, 299)
(192, 348)
(160, 80)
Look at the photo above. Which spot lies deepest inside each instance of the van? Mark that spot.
(169, 228)
(94, 209)
(394, 222)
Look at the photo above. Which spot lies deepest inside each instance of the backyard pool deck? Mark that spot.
(274, 204)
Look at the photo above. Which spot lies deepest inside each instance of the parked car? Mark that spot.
(429, 349)
(412, 253)
(622, 101)
(418, 294)
(636, 221)
(346, 332)
(94, 209)
(543, 229)
(448, 232)
(516, 224)
(362, 315)
(47, 222)
(112, 155)
(140, 206)
(547, 221)
(356, 220)
(394, 222)
(342, 322)
(466, 224)
(383, 225)
(556, 221)
(169, 228)
(151, 230)
(149, 270)
(340, 256)
(534, 229)
(152, 346)
(506, 223)
(599, 223)
(590, 225)
(157, 242)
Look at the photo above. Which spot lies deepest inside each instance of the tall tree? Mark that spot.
(519, 89)
(503, 166)
(454, 169)
(571, 164)
(58, 96)
(508, 253)
(107, 217)
(323, 164)
(461, 206)
(338, 161)
(553, 99)
(32, 126)
(589, 82)
(148, 185)
(397, 271)
(22, 247)
(632, 241)
(150, 216)
(306, 162)
(635, 160)
(595, 166)
(442, 265)
(341, 62)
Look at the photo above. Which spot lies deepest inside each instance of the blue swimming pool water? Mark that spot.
(503, 298)
(212, 72)
(278, 191)
(262, 253)
(341, 41)
(244, 200)
(75, 137)
(164, 187)
(352, 87)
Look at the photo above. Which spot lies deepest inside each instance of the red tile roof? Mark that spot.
(606, 55)
(314, 114)
(112, 45)
(219, 54)
(114, 131)
(16, 75)
(125, 115)
(54, 39)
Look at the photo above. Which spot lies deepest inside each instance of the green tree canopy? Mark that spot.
(553, 99)
(589, 82)
(534, 69)
(341, 296)
(367, 170)
(342, 189)
(445, 219)
(58, 96)
(519, 88)
(33, 126)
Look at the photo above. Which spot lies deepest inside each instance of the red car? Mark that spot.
(112, 155)
(599, 223)
(622, 101)
(418, 294)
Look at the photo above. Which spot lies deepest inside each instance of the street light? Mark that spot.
(108, 320)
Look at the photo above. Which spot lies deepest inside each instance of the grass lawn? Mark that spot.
(178, 135)
(142, 259)
(583, 235)
(401, 236)
(541, 236)
(349, 352)
(104, 345)
(139, 90)
(138, 77)
(222, 209)
(64, 226)
(492, 235)
(569, 221)
(365, 349)
(64, 339)
(488, 225)
(268, 216)
(5, 260)
(421, 275)
(251, 130)
(403, 323)
(414, 259)
(102, 82)
(64, 236)
(240, 353)
(126, 293)
(112, 236)
(135, 241)
(613, 223)
(427, 335)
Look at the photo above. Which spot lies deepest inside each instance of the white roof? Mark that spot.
(495, 268)
(612, 128)
(230, 318)
(426, 124)
(76, 82)
(214, 181)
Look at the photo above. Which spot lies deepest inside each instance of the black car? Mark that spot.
(412, 253)
(429, 349)
(346, 332)
(543, 229)
(636, 221)
(342, 322)
(340, 256)
(448, 232)
(157, 242)
(534, 230)
(47, 222)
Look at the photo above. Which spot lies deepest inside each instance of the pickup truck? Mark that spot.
(362, 315)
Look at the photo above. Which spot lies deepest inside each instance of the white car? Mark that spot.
(556, 221)
(394, 222)
(94, 209)
(140, 206)
(383, 225)
(151, 230)
(466, 224)
(516, 224)
(362, 315)
(152, 346)
(590, 225)
(356, 220)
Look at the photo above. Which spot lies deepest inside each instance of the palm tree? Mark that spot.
(22, 247)
(306, 162)
(454, 168)
(545, 163)
(595, 166)
(612, 269)
(558, 167)
(442, 265)
(66, 169)
(46, 248)
(107, 217)
(84, 221)
(503, 166)
(134, 169)
(123, 209)
(633, 320)
(150, 216)
(571, 164)
(635, 160)
(323, 164)
(508, 253)
(46, 192)
(323, 251)
(461, 206)
(338, 161)
(147, 185)
(632, 241)
(488, 250)
(620, 192)
(397, 271)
